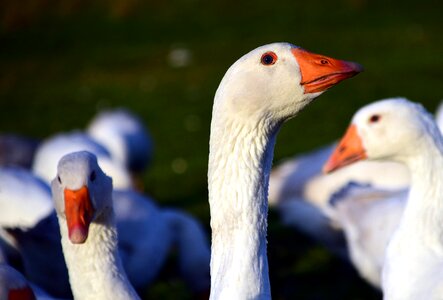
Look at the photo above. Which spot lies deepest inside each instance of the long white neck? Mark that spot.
(95, 268)
(424, 210)
(241, 151)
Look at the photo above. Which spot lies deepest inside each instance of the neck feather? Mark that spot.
(95, 268)
(424, 210)
(240, 160)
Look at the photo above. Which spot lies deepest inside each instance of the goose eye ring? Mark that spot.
(374, 118)
(268, 58)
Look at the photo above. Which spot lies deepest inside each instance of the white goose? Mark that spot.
(82, 196)
(258, 93)
(302, 195)
(403, 131)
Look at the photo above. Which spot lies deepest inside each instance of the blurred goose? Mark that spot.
(403, 131)
(29, 230)
(258, 93)
(54, 148)
(82, 196)
(124, 136)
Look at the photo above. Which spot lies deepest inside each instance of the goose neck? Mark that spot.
(95, 268)
(240, 160)
(424, 210)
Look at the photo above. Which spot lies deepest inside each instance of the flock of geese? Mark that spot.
(379, 186)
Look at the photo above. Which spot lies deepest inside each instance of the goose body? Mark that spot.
(82, 195)
(147, 233)
(403, 131)
(257, 94)
(368, 217)
(301, 193)
(145, 238)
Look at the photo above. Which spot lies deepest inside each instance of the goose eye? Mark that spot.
(269, 58)
(92, 176)
(59, 180)
(374, 118)
(324, 62)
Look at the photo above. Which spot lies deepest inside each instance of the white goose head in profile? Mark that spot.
(258, 93)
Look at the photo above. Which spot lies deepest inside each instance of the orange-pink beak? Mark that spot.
(79, 213)
(349, 150)
(320, 72)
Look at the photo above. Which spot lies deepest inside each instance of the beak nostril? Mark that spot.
(341, 149)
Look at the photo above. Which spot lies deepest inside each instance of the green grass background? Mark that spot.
(62, 61)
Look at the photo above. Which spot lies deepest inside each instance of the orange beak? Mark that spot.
(349, 150)
(79, 213)
(320, 72)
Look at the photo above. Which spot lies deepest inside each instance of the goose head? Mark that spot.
(81, 192)
(387, 130)
(275, 81)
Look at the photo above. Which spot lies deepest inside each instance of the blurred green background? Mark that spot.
(62, 61)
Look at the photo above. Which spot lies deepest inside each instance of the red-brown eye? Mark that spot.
(269, 58)
(374, 118)
(324, 61)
